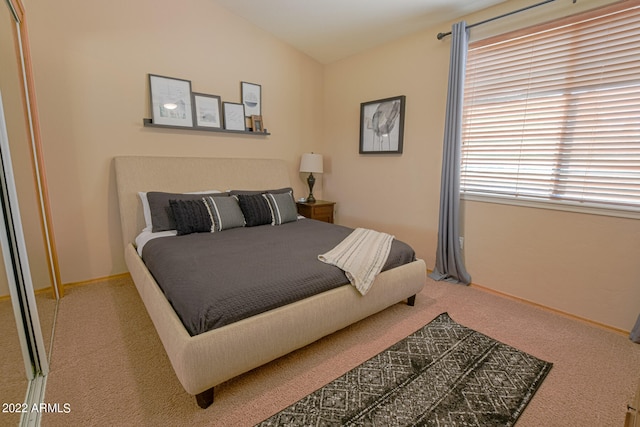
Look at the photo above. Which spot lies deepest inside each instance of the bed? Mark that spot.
(204, 359)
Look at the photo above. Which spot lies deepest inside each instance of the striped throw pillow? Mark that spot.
(283, 207)
(225, 213)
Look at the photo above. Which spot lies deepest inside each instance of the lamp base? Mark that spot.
(311, 180)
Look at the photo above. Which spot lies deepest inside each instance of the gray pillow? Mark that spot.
(225, 213)
(161, 215)
(283, 207)
(251, 192)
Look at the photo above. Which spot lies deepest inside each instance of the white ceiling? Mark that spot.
(329, 30)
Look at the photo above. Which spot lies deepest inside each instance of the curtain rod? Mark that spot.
(440, 36)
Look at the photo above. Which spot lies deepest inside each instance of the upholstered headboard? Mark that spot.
(185, 174)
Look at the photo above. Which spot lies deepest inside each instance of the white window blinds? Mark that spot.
(553, 113)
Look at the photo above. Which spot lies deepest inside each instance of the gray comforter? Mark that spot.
(214, 279)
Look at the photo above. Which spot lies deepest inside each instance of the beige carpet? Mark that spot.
(109, 365)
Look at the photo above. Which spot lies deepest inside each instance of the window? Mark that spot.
(552, 114)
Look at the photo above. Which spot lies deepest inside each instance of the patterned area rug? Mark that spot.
(444, 374)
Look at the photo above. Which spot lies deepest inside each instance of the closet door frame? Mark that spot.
(23, 53)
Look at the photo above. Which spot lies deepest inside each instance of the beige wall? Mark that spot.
(20, 146)
(586, 265)
(91, 61)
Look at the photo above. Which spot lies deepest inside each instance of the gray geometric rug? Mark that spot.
(444, 374)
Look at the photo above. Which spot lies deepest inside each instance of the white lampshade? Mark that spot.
(311, 162)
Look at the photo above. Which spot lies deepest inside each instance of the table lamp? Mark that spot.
(311, 162)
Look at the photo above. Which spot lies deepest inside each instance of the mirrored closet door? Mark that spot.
(20, 287)
(28, 274)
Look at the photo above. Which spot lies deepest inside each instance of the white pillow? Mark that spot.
(145, 210)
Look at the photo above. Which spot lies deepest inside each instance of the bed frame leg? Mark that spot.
(411, 301)
(205, 399)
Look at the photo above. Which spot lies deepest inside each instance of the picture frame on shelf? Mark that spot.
(382, 125)
(251, 95)
(257, 125)
(207, 111)
(234, 116)
(170, 101)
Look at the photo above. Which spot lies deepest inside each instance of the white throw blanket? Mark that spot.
(361, 255)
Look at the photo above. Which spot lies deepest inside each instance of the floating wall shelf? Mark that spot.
(149, 123)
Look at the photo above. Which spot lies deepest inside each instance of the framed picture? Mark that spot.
(170, 101)
(251, 95)
(382, 125)
(233, 116)
(207, 110)
(256, 123)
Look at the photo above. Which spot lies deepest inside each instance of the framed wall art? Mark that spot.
(251, 95)
(207, 111)
(234, 118)
(382, 125)
(170, 101)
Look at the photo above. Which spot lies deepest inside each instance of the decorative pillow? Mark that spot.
(225, 212)
(161, 214)
(283, 207)
(191, 216)
(255, 209)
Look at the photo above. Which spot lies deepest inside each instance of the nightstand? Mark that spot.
(321, 210)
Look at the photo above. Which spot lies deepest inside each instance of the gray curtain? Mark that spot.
(449, 261)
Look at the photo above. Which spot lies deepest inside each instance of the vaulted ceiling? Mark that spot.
(329, 30)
